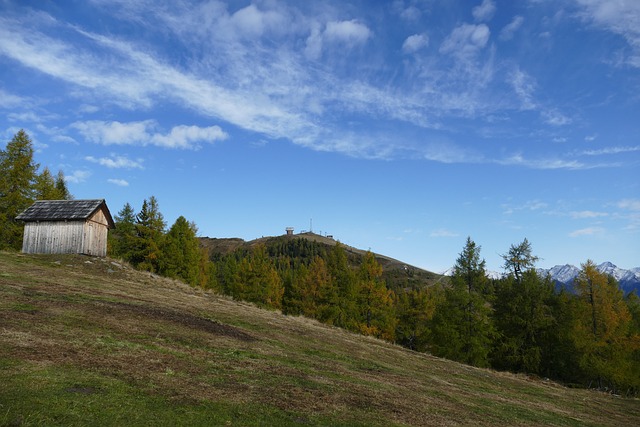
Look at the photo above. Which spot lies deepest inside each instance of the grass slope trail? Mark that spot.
(89, 341)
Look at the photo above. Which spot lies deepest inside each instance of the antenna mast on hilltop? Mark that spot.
(311, 225)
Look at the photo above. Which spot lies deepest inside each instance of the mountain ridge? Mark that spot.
(565, 275)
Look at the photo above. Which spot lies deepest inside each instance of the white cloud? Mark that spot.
(548, 163)
(342, 34)
(8, 100)
(555, 118)
(589, 231)
(466, 40)
(485, 11)
(442, 232)
(509, 30)
(142, 133)
(350, 32)
(78, 176)
(629, 204)
(617, 16)
(530, 205)
(251, 21)
(587, 214)
(118, 182)
(611, 150)
(415, 42)
(188, 136)
(447, 152)
(524, 86)
(116, 162)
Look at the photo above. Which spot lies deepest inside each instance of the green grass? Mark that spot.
(82, 345)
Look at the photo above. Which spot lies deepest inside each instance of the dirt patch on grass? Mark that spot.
(180, 318)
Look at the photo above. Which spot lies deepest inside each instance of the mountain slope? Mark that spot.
(397, 274)
(87, 341)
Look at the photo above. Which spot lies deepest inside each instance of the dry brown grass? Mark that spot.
(194, 348)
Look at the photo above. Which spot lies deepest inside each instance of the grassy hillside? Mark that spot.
(86, 341)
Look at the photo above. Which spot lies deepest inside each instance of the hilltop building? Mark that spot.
(66, 227)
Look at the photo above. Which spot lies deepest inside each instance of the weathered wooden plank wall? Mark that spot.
(53, 237)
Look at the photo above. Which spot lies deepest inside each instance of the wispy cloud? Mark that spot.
(415, 42)
(555, 118)
(610, 150)
(78, 176)
(529, 205)
(524, 87)
(118, 182)
(443, 232)
(466, 41)
(587, 214)
(510, 29)
(485, 11)
(629, 204)
(116, 162)
(346, 34)
(589, 231)
(9, 100)
(631, 212)
(544, 163)
(142, 133)
(618, 17)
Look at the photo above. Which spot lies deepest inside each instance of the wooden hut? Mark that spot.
(66, 227)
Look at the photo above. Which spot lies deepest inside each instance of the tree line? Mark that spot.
(519, 322)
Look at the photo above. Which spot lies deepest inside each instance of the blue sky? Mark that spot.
(397, 126)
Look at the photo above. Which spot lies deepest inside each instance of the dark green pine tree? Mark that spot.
(45, 186)
(61, 186)
(259, 281)
(123, 239)
(18, 174)
(462, 326)
(524, 319)
(414, 310)
(181, 252)
(519, 259)
(343, 313)
(376, 314)
(150, 226)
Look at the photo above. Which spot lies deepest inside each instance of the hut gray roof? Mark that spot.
(65, 210)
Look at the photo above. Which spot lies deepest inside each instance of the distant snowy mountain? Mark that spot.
(564, 275)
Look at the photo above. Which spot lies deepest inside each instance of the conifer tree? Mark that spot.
(603, 329)
(415, 309)
(258, 280)
(343, 280)
(45, 186)
(181, 252)
(150, 226)
(17, 180)
(462, 325)
(61, 186)
(374, 301)
(122, 240)
(523, 316)
(519, 259)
